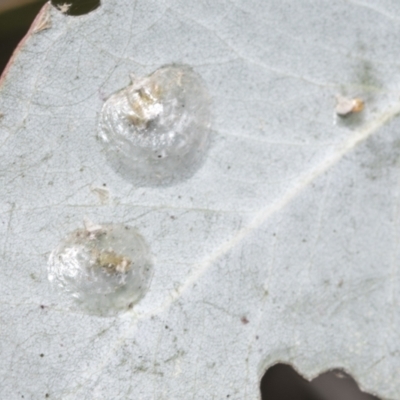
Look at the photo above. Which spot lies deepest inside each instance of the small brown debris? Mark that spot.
(113, 262)
(102, 192)
(346, 106)
(64, 8)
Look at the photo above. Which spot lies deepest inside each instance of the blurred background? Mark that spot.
(15, 19)
(280, 382)
(17, 15)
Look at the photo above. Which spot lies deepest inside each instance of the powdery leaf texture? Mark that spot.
(291, 224)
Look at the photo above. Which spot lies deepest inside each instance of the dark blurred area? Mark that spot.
(280, 382)
(77, 7)
(15, 21)
(16, 16)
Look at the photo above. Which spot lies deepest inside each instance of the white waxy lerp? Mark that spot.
(105, 269)
(156, 131)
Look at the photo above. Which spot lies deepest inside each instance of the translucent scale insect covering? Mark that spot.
(156, 130)
(105, 270)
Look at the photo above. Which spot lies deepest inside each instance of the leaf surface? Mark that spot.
(283, 247)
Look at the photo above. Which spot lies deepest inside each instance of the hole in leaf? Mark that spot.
(282, 382)
(76, 7)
